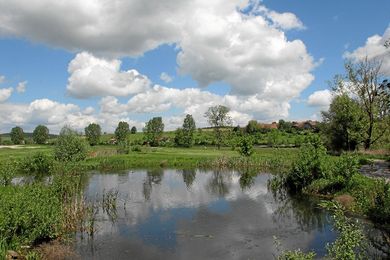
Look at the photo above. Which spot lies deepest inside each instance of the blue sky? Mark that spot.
(266, 62)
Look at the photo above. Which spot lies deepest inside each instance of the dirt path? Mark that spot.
(17, 147)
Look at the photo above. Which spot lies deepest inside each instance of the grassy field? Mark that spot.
(106, 157)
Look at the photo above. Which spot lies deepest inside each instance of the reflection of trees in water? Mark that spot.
(247, 178)
(303, 209)
(217, 184)
(152, 177)
(189, 177)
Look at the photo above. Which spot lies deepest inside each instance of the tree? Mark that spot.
(121, 131)
(364, 79)
(133, 130)
(69, 146)
(246, 146)
(185, 135)
(153, 131)
(218, 117)
(343, 123)
(93, 132)
(252, 127)
(17, 135)
(40, 134)
(285, 126)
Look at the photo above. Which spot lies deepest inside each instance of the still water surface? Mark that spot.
(197, 214)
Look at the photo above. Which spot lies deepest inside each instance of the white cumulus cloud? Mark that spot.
(91, 76)
(165, 77)
(321, 98)
(21, 87)
(5, 93)
(374, 48)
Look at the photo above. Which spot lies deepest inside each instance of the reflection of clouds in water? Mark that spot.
(168, 190)
(174, 214)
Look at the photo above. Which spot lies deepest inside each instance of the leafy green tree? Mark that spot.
(364, 83)
(17, 135)
(246, 146)
(40, 134)
(69, 146)
(185, 135)
(133, 130)
(153, 131)
(343, 123)
(122, 131)
(93, 132)
(252, 127)
(285, 126)
(218, 117)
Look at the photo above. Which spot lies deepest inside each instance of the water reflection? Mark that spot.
(195, 214)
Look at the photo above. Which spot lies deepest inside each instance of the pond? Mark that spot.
(198, 214)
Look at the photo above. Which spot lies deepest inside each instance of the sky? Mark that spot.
(77, 62)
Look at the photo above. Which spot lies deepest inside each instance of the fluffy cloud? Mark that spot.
(21, 87)
(2, 79)
(321, 98)
(374, 48)
(220, 40)
(91, 76)
(5, 93)
(245, 51)
(165, 77)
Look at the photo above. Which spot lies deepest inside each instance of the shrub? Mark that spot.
(8, 170)
(69, 146)
(28, 214)
(136, 148)
(246, 146)
(380, 212)
(308, 166)
(38, 163)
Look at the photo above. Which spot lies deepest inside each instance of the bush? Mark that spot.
(308, 166)
(246, 146)
(93, 132)
(8, 170)
(380, 212)
(38, 163)
(69, 146)
(136, 148)
(28, 214)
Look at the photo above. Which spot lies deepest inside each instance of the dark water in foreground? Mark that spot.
(175, 214)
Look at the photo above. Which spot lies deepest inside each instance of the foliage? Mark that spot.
(17, 135)
(37, 163)
(153, 131)
(69, 146)
(7, 172)
(343, 123)
(133, 130)
(252, 127)
(28, 214)
(285, 126)
(121, 131)
(246, 146)
(40, 134)
(296, 255)
(93, 132)
(351, 243)
(218, 117)
(364, 82)
(185, 135)
(308, 166)
(380, 211)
